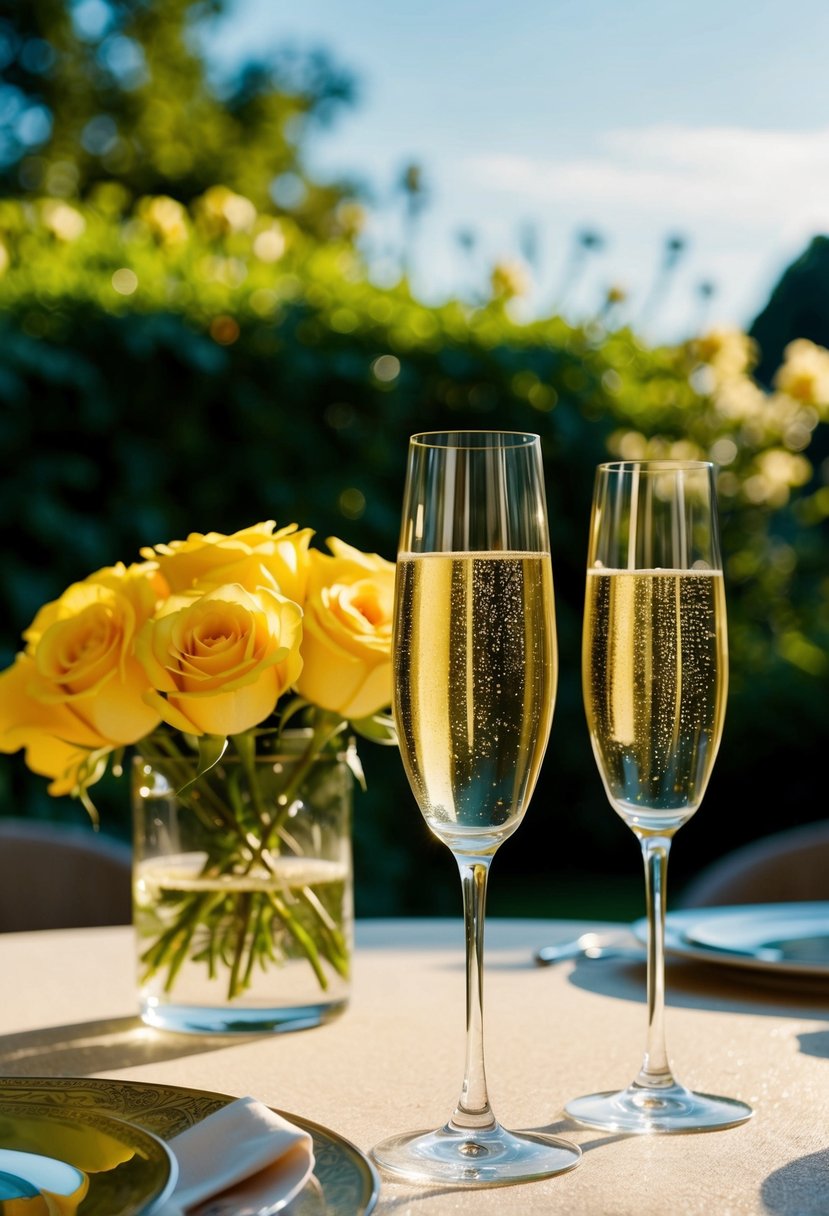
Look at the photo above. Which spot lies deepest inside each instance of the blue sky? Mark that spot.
(636, 118)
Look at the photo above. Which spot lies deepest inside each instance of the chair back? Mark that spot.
(58, 877)
(789, 866)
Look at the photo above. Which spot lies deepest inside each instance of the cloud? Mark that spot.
(737, 176)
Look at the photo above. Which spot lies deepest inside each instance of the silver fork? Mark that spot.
(589, 945)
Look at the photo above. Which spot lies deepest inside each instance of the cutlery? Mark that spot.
(589, 946)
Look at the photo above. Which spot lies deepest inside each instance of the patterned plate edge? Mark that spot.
(132, 1100)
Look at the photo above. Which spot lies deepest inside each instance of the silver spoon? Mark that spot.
(588, 945)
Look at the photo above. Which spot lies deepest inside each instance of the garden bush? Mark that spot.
(167, 369)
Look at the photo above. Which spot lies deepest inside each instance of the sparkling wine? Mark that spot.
(475, 681)
(655, 685)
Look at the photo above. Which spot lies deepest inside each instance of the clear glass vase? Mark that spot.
(242, 888)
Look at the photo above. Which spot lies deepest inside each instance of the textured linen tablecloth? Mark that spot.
(394, 1061)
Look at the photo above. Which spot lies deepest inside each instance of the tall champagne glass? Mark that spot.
(475, 678)
(655, 679)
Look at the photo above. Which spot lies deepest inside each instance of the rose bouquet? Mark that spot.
(199, 656)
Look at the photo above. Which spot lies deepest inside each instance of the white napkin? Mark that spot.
(242, 1158)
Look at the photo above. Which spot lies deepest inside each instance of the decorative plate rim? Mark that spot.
(323, 1136)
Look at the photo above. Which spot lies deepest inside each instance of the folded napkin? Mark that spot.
(239, 1161)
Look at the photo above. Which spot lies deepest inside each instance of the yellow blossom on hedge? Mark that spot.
(65, 222)
(508, 280)
(804, 373)
(165, 217)
(776, 472)
(220, 210)
(728, 352)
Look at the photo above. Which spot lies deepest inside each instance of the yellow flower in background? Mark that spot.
(219, 660)
(804, 373)
(253, 557)
(346, 643)
(350, 218)
(65, 222)
(220, 211)
(739, 399)
(728, 352)
(776, 471)
(509, 279)
(269, 243)
(165, 217)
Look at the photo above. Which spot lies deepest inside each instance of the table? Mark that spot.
(394, 1062)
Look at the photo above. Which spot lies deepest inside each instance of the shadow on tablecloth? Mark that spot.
(99, 1046)
(799, 1188)
(697, 986)
(815, 1043)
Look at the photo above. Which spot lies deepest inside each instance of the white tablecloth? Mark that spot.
(394, 1062)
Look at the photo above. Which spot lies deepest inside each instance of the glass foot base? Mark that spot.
(463, 1157)
(643, 1110)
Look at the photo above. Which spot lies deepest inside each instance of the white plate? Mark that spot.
(784, 939)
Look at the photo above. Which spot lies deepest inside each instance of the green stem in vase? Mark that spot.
(304, 938)
(261, 934)
(326, 727)
(245, 831)
(337, 953)
(167, 947)
(197, 797)
(244, 911)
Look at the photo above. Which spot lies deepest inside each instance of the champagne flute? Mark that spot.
(475, 679)
(655, 681)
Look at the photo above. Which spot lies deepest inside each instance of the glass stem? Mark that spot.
(656, 1070)
(473, 1110)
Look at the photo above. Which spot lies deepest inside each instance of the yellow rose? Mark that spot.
(82, 646)
(253, 558)
(219, 660)
(58, 741)
(76, 693)
(346, 643)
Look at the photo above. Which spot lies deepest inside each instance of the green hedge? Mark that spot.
(165, 371)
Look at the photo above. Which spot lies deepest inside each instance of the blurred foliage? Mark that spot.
(167, 369)
(118, 91)
(189, 341)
